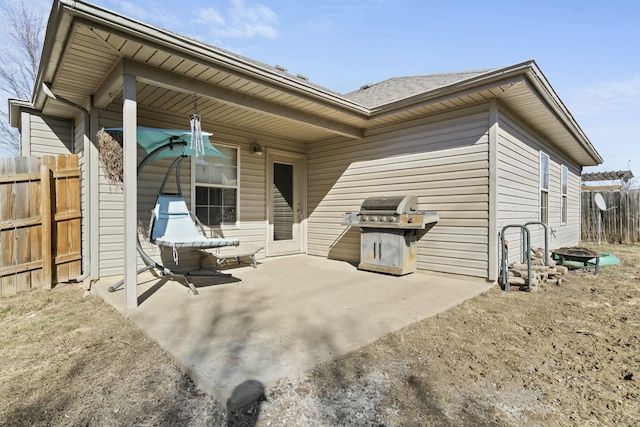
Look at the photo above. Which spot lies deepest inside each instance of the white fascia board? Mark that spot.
(15, 107)
(56, 34)
(544, 88)
(200, 51)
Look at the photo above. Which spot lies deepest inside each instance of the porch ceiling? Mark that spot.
(167, 81)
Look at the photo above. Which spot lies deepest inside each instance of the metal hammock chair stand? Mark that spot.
(173, 226)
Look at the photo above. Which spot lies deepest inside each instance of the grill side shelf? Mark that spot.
(349, 218)
(415, 220)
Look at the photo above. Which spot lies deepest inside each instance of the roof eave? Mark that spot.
(528, 70)
(65, 11)
(469, 83)
(56, 34)
(542, 85)
(15, 108)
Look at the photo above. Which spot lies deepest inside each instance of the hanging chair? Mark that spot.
(172, 225)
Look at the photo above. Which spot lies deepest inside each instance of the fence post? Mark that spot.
(45, 182)
(627, 219)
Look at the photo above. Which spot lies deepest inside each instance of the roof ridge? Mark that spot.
(474, 72)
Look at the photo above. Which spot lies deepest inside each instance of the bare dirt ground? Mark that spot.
(562, 356)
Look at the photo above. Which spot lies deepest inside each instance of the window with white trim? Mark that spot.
(216, 188)
(564, 183)
(544, 188)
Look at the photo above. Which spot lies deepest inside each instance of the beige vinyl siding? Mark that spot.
(110, 208)
(50, 135)
(111, 228)
(251, 222)
(443, 160)
(519, 188)
(251, 225)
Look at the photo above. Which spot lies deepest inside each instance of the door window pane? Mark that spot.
(283, 213)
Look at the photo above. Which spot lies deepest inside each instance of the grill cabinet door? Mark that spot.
(390, 251)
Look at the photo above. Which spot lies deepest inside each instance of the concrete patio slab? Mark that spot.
(283, 318)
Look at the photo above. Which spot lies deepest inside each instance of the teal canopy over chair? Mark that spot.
(152, 139)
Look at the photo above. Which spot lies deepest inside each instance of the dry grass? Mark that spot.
(565, 355)
(68, 359)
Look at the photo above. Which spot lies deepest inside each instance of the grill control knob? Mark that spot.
(365, 218)
(392, 219)
(374, 219)
(383, 219)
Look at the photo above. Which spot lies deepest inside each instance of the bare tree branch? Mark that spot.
(22, 29)
(633, 183)
(9, 137)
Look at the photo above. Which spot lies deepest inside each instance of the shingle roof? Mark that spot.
(373, 95)
(370, 95)
(397, 88)
(277, 69)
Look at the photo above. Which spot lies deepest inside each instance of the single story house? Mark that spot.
(483, 148)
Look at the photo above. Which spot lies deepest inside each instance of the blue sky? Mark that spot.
(588, 50)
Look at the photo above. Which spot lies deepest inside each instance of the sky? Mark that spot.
(588, 50)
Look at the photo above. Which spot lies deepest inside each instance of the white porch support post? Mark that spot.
(494, 249)
(129, 124)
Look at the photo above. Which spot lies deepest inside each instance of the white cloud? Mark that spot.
(322, 25)
(613, 97)
(241, 21)
(130, 9)
(141, 11)
(608, 113)
(212, 17)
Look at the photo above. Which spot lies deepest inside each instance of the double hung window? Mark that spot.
(216, 188)
(544, 188)
(564, 182)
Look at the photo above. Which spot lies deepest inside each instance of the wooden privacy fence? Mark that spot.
(620, 221)
(40, 220)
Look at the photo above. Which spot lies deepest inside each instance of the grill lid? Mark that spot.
(399, 212)
(392, 204)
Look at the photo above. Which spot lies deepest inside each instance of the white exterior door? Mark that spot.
(285, 202)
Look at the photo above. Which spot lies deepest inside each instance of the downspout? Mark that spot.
(493, 240)
(87, 130)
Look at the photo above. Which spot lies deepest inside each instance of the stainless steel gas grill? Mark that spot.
(388, 237)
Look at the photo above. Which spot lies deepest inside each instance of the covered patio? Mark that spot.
(283, 318)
